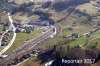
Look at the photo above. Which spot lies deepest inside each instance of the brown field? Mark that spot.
(88, 7)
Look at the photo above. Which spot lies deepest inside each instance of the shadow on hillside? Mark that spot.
(46, 56)
(63, 5)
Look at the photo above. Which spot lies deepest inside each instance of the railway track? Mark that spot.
(26, 47)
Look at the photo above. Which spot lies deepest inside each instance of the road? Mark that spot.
(14, 35)
(28, 46)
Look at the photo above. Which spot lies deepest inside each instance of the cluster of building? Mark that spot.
(29, 25)
(25, 29)
(5, 38)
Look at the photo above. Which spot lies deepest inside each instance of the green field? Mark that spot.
(94, 43)
(95, 40)
(20, 38)
(77, 42)
(85, 39)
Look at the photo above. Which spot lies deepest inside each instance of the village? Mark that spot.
(36, 32)
(26, 27)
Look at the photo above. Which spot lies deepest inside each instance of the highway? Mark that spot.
(27, 47)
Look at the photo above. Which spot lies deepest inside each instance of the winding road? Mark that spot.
(14, 35)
